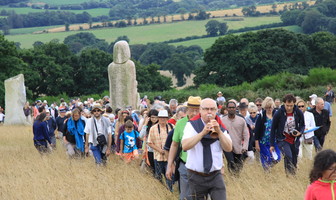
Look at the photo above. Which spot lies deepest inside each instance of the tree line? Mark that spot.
(319, 17)
(52, 69)
(235, 59)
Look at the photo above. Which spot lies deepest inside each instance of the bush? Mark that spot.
(321, 76)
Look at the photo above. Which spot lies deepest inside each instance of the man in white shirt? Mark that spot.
(98, 135)
(204, 139)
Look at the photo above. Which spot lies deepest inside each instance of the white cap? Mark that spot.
(313, 96)
(45, 101)
(163, 113)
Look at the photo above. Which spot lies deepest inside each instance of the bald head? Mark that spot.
(208, 109)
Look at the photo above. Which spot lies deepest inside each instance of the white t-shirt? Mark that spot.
(195, 154)
(89, 124)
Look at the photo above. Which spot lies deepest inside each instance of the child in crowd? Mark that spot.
(128, 147)
(322, 177)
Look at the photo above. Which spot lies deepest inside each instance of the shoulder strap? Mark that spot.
(94, 120)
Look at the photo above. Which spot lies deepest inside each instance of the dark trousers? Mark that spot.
(151, 161)
(160, 169)
(235, 162)
(290, 153)
(318, 142)
(201, 186)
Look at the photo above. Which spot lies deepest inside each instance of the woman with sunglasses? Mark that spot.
(262, 135)
(306, 141)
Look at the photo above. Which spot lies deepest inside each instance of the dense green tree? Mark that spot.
(324, 49)
(313, 22)
(289, 17)
(149, 79)
(234, 59)
(50, 69)
(211, 27)
(332, 26)
(222, 28)
(90, 72)
(11, 64)
(82, 40)
(156, 53)
(181, 66)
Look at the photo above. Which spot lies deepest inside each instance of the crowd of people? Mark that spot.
(186, 142)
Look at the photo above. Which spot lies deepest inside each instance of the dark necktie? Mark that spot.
(207, 155)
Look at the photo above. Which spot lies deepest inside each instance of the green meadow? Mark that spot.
(30, 30)
(59, 2)
(93, 12)
(144, 34)
(207, 42)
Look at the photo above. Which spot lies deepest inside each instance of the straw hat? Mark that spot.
(194, 101)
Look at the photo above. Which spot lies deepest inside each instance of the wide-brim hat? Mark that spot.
(219, 93)
(194, 102)
(97, 106)
(163, 114)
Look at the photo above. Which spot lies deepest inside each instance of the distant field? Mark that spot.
(29, 30)
(207, 42)
(59, 2)
(93, 12)
(144, 34)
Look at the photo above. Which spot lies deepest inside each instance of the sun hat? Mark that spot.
(96, 106)
(194, 101)
(163, 114)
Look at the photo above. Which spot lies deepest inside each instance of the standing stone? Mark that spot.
(122, 78)
(15, 99)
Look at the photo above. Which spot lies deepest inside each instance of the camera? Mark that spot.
(294, 133)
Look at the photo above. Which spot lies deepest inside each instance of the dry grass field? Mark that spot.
(24, 174)
(170, 18)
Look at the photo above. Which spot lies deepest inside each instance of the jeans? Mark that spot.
(290, 153)
(184, 185)
(160, 168)
(97, 154)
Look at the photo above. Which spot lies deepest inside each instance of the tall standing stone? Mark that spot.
(122, 78)
(15, 99)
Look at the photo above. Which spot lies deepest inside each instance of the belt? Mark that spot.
(203, 174)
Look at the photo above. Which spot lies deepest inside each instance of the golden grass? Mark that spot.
(216, 13)
(24, 174)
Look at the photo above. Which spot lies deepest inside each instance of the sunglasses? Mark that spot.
(96, 110)
(258, 104)
(231, 107)
(252, 112)
(301, 106)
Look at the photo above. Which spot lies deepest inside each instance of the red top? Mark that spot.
(289, 138)
(321, 190)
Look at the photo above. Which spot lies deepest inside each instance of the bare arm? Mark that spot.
(189, 143)
(171, 156)
(225, 141)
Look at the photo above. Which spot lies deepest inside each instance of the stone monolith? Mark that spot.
(15, 99)
(122, 78)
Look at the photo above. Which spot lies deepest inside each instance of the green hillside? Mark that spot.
(207, 42)
(145, 34)
(93, 12)
(59, 2)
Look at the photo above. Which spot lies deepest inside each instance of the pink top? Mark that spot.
(321, 190)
